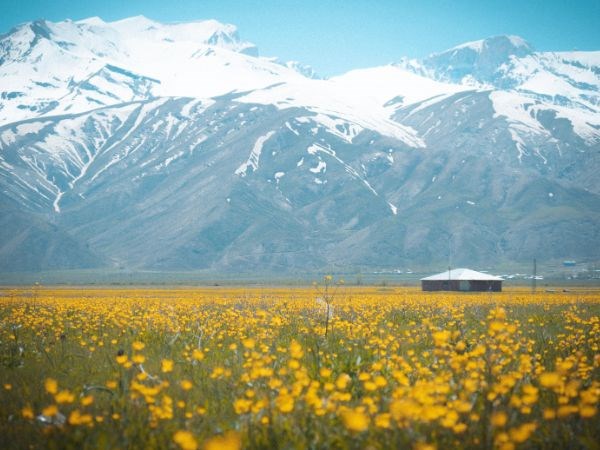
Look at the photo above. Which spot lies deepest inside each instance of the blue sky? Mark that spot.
(335, 36)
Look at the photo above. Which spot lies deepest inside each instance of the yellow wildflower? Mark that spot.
(27, 412)
(51, 386)
(76, 418)
(64, 397)
(587, 411)
(229, 441)
(185, 440)
(249, 343)
(441, 338)
(355, 420)
(342, 381)
(383, 420)
(522, 433)
(499, 419)
(166, 365)
(325, 372)
(50, 411)
(285, 403)
(550, 379)
(424, 446)
(459, 428)
(296, 350)
(242, 405)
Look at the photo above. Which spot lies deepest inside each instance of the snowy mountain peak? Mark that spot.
(56, 67)
(519, 42)
(92, 21)
(506, 44)
(477, 60)
(119, 35)
(202, 32)
(135, 22)
(304, 69)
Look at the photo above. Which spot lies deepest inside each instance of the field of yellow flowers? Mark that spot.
(346, 368)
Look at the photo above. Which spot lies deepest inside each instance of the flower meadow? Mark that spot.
(298, 368)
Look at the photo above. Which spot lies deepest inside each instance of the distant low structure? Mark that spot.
(465, 280)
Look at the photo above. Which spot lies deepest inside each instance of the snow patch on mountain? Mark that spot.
(392, 86)
(320, 168)
(330, 103)
(254, 158)
(516, 109)
(521, 112)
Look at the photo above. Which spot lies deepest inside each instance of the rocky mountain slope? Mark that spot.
(141, 145)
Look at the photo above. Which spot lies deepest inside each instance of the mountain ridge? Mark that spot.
(266, 165)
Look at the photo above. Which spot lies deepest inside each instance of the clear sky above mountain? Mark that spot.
(336, 36)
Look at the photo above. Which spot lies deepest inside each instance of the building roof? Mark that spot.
(462, 274)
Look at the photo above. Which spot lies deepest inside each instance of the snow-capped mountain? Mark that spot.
(71, 67)
(176, 146)
(479, 61)
(523, 82)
